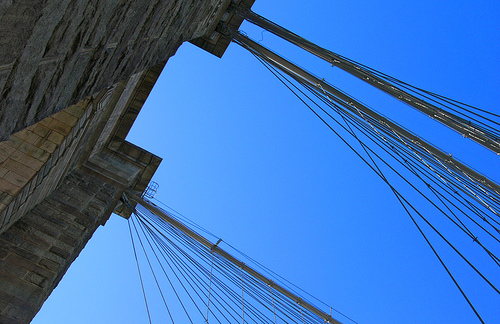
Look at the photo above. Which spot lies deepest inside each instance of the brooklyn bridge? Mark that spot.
(351, 149)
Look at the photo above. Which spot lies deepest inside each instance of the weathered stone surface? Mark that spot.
(53, 53)
(38, 250)
(94, 64)
(34, 160)
(48, 217)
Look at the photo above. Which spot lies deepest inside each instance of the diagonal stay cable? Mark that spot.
(324, 121)
(146, 229)
(152, 271)
(139, 270)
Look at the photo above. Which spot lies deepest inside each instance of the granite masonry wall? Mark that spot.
(36, 251)
(54, 53)
(74, 75)
(62, 178)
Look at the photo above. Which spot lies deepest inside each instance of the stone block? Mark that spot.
(34, 139)
(60, 252)
(18, 287)
(75, 110)
(46, 121)
(9, 188)
(17, 155)
(36, 279)
(11, 239)
(23, 134)
(60, 127)
(6, 149)
(43, 227)
(18, 168)
(51, 216)
(17, 313)
(14, 141)
(38, 241)
(56, 138)
(70, 240)
(3, 156)
(33, 151)
(30, 162)
(16, 179)
(49, 265)
(48, 146)
(41, 130)
(66, 118)
(22, 258)
(13, 269)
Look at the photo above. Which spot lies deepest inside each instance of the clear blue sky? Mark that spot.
(245, 159)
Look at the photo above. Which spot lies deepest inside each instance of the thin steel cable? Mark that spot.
(202, 269)
(154, 275)
(329, 115)
(257, 314)
(255, 291)
(139, 270)
(391, 187)
(210, 286)
(272, 298)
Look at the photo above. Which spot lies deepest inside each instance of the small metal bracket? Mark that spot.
(213, 246)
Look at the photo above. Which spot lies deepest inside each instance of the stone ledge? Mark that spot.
(214, 42)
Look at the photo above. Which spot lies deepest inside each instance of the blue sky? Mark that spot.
(246, 160)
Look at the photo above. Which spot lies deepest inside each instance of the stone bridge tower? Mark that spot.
(74, 74)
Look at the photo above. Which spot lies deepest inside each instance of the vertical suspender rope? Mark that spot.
(210, 286)
(272, 300)
(156, 280)
(302, 314)
(242, 299)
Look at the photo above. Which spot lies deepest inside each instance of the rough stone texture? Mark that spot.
(49, 220)
(93, 62)
(36, 251)
(34, 160)
(31, 158)
(53, 53)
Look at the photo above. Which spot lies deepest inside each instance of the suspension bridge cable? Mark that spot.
(188, 274)
(280, 76)
(139, 271)
(442, 262)
(481, 133)
(378, 172)
(353, 105)
(261, 319)
(257, 304)
(411, 167)
(475, 195)
(474, 237)
(141, 224)
(494, 257)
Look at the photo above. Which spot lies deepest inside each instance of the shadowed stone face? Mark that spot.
(54, 53)
(77, 72)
